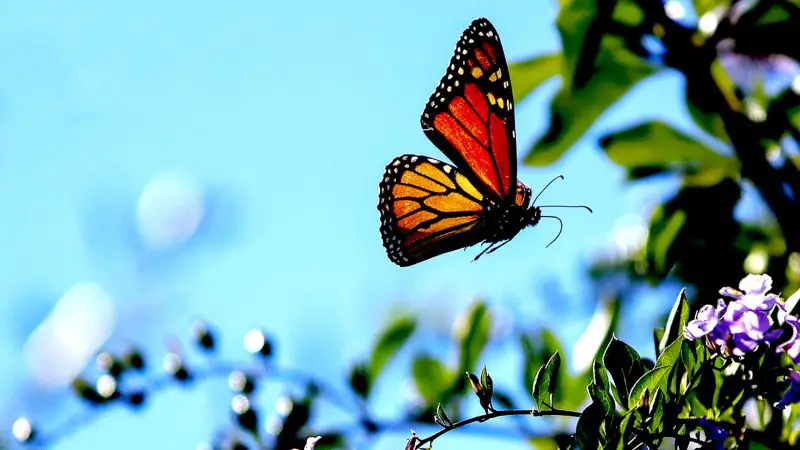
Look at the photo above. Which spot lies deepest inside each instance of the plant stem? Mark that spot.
(495, 414)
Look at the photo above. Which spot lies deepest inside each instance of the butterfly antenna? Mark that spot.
(560, 228)
(545, 187)
(568, 206)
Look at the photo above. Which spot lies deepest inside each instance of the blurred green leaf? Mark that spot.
(663, 232)
(473, 334)
(432, 379)
(545, 383)
(528, 75)
(543, 443)
(654, 144)
(360, 381)
(390, 341)
(676, 322)
(701, 7)
(614, 71)
(700, 106)
(628, 12)
(625, 366)
(646, 386)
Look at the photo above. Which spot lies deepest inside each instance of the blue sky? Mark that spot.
(286, 113)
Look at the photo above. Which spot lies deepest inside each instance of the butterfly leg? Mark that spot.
(493, 249)
(482, 252)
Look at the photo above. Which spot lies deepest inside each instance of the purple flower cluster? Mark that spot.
(738, 327)
(751, 317)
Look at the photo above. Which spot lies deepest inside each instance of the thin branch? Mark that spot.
(494, 415)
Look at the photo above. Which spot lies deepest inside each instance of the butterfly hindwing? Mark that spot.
(470, 116)
(427, 208)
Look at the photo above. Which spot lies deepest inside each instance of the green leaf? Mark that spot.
(625, 429)
(663, 231)
(701, 109)
(441, 417)
(391, 340)
(615, 70)
(537, 351)
(473, 335)
(669, 358)
(646, 386)
(600, 389)
(545, 383)
(528, 75)
(599, 375)
(701, 7)
(432, 379)
(656, 423)
(691, 355)
(587, 431)
(658, 334)
(654, 144)
(625, 366)
(791, 302)
(360, 382)
(678, 318)
(487, 384)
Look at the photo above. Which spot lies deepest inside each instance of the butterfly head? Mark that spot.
(534, 213)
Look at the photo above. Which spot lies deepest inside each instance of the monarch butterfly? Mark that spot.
(429, 207)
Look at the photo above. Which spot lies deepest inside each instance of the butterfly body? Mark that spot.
(429, 207)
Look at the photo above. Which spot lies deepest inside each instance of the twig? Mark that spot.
(496, 414)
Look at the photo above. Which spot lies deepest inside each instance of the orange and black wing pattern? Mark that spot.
(470, 116)
(427, 208)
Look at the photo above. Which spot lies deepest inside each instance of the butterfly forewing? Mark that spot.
(427, 208)
(470, 116)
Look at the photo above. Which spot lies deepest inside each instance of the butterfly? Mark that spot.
(428, 207)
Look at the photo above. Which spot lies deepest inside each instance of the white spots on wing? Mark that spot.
(447, 169)
(414, 158)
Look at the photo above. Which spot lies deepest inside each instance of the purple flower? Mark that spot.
(742, 329)
(705, 321)
(714, 433)
(792, 394)
(740, 326)
(755, 295)
(792, 346)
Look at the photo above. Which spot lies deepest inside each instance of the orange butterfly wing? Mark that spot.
(427, 208)
(470, 116)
